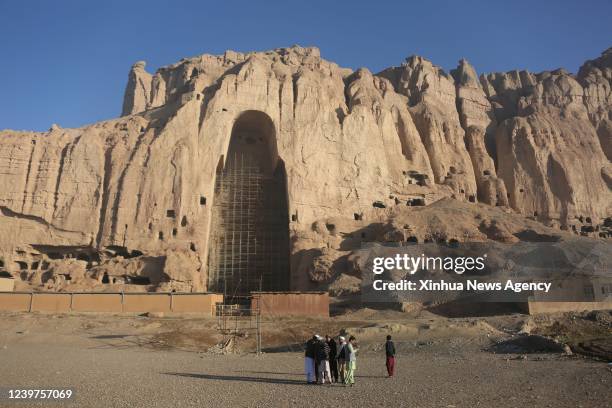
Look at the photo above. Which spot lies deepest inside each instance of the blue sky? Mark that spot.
(67, 62)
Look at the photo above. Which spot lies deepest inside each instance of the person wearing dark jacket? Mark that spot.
(309, 360)
(333, 362)
(390, 353)
(322, 361)
(317, 353)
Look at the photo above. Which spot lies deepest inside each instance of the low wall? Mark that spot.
(15, 302)
(201, 303)
(553, 307)
(51, 302)
(146, 303)
(311, 304)
(97, 302)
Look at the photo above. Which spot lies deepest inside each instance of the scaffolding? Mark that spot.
(236, 321)
(249, 247)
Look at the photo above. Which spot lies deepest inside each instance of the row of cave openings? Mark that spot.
(45, 255)
(584, 226)
(409, 240)
(171, 214)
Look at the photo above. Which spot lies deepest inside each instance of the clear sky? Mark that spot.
(67, 62)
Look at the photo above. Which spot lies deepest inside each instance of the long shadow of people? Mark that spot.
(273, 372)
(240, 378)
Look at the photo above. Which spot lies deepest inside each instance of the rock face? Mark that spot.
(479, 122)
(138, 90)
(549, 153)
(431, 96)
(132, 197)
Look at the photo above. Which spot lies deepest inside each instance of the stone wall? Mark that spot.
(201, 303)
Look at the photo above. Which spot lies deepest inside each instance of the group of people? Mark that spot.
(329, 362)
(326, 361)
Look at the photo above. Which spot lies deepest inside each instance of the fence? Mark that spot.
(203, 303)
(272, 304)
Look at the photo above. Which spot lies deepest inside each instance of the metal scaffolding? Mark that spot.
(249, 247)
(234, 322)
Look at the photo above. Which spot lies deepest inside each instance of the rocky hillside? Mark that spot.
(128, 201)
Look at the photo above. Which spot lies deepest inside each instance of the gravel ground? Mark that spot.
(104, 375)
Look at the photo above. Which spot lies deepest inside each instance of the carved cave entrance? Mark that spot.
(249, 239)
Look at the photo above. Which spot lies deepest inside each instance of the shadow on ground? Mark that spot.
(265, 380)
(240, 378)
(294, 347)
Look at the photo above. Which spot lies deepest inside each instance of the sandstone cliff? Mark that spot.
(135, 193)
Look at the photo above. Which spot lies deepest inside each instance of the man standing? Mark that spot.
(309, 360)
(333, 362)
(341, 357)
(390, 352)
(322, 358)
(351, 350)
(317, 352)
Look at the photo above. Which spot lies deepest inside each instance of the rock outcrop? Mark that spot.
(479, 123)
(432, 99)
(595, 76)
(138, 90)
(131, 197)
(548, 149)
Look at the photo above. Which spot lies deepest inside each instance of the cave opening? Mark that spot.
(139, 280)
(249, 238)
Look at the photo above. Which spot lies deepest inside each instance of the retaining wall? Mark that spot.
(15, 302)
(51, 302)
(203, 303)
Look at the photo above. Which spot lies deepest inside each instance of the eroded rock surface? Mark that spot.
(131, 197)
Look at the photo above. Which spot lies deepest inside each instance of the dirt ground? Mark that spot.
(137, 361)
